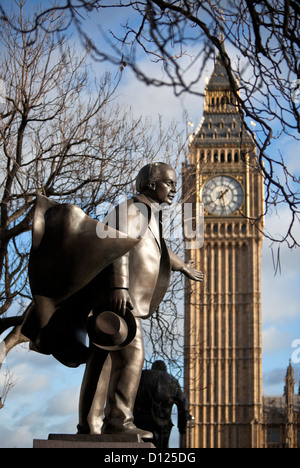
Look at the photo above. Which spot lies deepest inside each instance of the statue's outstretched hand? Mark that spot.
(185, 268)
(192, 274)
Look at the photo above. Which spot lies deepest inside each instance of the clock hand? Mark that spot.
(222, 194)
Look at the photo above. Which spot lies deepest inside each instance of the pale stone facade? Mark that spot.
(223, 351)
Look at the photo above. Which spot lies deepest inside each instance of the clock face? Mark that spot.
(222, 195)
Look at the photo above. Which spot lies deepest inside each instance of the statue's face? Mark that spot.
(163, 190)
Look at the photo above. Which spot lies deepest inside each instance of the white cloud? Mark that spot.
(275, 340)
(277, 224)
(273, 380)
(280, 299)
(289, 148)
(44, 399)
(150, 101)
(26, 384)
(15, 438)
(280, 292)
(275, 377)
(63, 403)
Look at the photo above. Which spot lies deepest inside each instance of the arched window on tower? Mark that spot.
(223, 102)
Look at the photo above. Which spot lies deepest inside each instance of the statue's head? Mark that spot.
(159, 365)
(157, 181)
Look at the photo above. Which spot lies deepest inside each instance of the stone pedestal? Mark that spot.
(106, 441)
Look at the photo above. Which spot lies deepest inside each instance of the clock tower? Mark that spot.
(223, 351)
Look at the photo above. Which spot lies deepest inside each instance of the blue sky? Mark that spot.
(45, 397)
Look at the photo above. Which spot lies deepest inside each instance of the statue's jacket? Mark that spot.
(76, 260)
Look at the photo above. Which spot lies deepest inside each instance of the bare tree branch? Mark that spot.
(63, 136)
(9, 383)
(263, 38)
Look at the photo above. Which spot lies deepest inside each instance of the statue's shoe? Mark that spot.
(125, 429)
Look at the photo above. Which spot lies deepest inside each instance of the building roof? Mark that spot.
(219, 77)
(278, 404)
(222, 122)
(220, 126)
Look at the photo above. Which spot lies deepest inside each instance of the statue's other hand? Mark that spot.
(120, 300)
(193, 274)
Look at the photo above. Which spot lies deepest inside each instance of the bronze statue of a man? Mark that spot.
(158, 392)
(75, 275)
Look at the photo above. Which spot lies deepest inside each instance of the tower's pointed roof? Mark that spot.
(219, 77)
(221, 123)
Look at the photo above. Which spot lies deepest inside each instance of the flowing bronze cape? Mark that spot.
(69, 275)
(65, 257)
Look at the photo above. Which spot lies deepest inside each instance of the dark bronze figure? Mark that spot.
(157, 394)
(80, 269)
